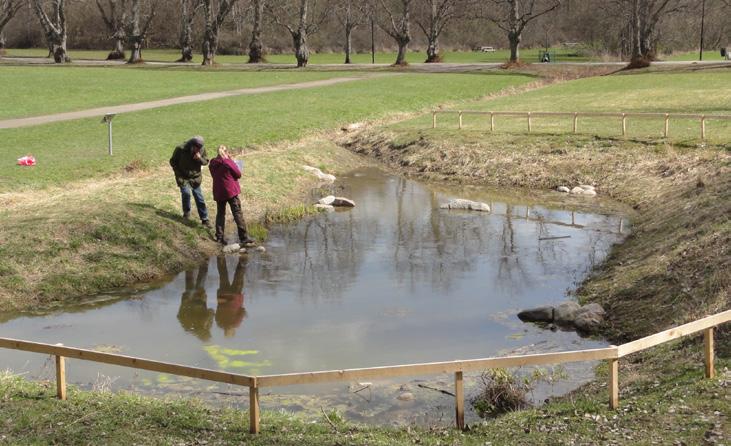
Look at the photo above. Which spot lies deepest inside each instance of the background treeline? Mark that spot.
(602, 28)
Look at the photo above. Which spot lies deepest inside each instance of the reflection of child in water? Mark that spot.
(194, 314)
(230, 311)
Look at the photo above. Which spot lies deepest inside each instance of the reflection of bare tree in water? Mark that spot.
(194, 315)
(511, 274)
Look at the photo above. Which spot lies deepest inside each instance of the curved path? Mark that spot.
(127, 108)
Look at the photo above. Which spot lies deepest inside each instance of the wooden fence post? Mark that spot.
(459, 399)
(460, 120)
(254, 408)
(576, 122)
(529, 123)
(60, 377)
(614, 383)
(433, 120)
(703, 127)
(624, 124)
(708, 344)
(492, 121)
(667, 125)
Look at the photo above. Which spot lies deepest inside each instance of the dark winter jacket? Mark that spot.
(188, 170)
(226, 176)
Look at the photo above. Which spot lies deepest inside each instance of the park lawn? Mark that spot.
(690, 56)
(364, 57)
(702, 92)
(34, 90)
(74, 150)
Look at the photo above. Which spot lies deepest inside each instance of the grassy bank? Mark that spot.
(64, 242)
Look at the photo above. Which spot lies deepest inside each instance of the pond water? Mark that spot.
(395, 280)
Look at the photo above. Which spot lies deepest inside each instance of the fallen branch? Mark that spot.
(328, 420)
(446, 392)
(554, 238)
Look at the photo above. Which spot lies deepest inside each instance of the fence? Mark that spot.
(575, 115)
(254, 383)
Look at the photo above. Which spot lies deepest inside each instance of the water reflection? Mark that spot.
(395, 280)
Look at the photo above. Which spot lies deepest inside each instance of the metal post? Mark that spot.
(110, 138)
(373, 41)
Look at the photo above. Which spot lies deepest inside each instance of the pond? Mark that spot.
(395, 280)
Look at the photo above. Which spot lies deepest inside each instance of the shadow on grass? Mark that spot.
(176, 218)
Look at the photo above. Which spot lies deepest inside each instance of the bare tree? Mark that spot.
(436, 14)
(304, 24)
(137, 27)
(256, 48)
(8, 9)
(54, 26)
(115, 20)
(215, 12)
(396, 24)
(512, 16)
(351, 17)
(188, 11)
(644, 17)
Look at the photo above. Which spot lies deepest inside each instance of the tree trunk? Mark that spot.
(210, 45)
(118, 52)
(135, 55)
(2, 44)
(186, 42)
(403, 44)
(256, 48)
(348, 43)
(514, 37)
(301, 51)
(58, 45)
(432, 48)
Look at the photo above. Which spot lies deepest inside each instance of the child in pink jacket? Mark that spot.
(226, 190)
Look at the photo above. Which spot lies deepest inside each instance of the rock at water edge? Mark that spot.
(324, 207)
(459, 203)
(329, 200)
(565, 313)
(228, 249)
(563, 189)
(540, 314)
(343, 202)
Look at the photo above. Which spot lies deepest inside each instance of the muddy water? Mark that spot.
(395, 280)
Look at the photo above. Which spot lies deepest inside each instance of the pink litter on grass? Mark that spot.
(28, 160)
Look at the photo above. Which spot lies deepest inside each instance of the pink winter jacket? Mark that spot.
(226, 176)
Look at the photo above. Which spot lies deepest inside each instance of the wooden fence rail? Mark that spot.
(612, 354)
(702, 118)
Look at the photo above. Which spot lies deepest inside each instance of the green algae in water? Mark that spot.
(225, 358)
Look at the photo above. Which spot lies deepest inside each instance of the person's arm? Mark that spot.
(174, 159)
(203, 157)
(235, 172)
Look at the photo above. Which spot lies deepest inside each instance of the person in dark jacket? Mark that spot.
(226, 190)
(186, 163)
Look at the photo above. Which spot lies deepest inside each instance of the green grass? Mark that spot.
(76, 150)
(167, 55)
(704, 92)
(693, 56)
(44, 90)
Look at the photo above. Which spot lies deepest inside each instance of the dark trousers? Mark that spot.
(235, 205)
(200, 202)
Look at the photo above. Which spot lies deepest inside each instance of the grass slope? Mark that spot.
(76, 150)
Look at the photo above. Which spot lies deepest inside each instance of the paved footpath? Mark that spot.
(127, 108)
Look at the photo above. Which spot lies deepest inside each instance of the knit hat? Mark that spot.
(197, 140)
